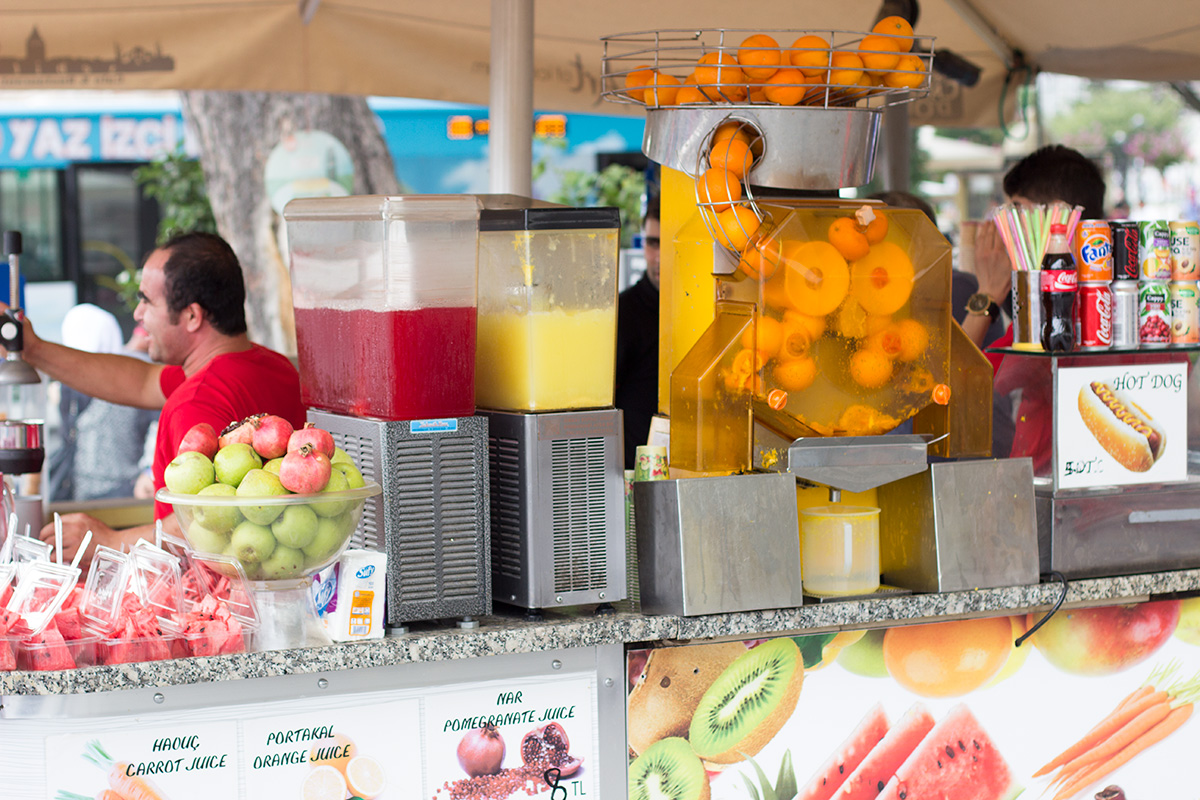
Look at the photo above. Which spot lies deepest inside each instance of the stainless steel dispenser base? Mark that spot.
(959, 526)
(432, 518)
(1086, 533)
(716, 545)
(557, 507)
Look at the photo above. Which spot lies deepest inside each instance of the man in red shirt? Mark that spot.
(192, 305)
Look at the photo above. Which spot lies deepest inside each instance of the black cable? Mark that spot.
(1053, 610)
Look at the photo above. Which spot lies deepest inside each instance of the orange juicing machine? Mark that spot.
(797, 327)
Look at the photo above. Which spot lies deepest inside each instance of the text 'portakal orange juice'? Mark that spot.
(546, 360)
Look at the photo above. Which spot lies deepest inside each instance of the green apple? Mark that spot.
(296, 527)
(285, 562)
(337, 483)
(188, 473)
(332, 533)
(252, 543)
(260, 483)
(865, 657)
(1188, 629)
(339, 456)
(233, 461)
(203, 539)
(217, 518)
(354, 478)
(272, 466)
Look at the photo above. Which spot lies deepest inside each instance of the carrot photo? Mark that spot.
(122, 786)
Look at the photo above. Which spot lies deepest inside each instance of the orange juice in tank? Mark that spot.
(547, 308)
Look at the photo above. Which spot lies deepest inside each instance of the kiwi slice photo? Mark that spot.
(668, 769)
(748, 703)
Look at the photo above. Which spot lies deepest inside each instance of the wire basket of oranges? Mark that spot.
(787, 68)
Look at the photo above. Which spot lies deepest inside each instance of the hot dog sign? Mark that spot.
(1120, 424)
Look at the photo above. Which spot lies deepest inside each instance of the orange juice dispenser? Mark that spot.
(384, 290)
(544, 369)
(797, 327)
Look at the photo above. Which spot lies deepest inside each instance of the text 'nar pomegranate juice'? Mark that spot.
(391, 364)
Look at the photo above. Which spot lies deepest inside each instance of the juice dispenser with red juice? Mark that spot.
(384, 290)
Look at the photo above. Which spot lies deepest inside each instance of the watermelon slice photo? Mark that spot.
(833, 773)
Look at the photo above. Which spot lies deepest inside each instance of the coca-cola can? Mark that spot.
(1125, 314)
(1154, 314)
(1094, 317)
(1185, 313)
(1125, 250)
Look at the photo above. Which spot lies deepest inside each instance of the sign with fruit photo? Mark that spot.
(512, 738)
(175, 762)
(363, 752)
(1121, 424)
(1096, 704)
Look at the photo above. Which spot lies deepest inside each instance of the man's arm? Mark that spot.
(994, 270)
(76, 525)
(118, 379)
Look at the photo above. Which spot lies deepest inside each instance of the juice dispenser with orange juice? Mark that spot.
(828, 320)
(544, 370)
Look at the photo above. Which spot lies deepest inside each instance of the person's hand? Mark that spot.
(143, 487)
(30, 338)
(74, 527)
(992, 265)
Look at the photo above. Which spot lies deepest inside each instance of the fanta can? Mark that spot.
(1094, 251)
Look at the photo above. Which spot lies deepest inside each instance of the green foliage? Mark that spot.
(177, 183)
(615, 185)
(1142, 123)
(126, 282)
(785, 787)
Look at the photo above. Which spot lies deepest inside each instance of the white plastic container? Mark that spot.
(350, 596)
(839, 550)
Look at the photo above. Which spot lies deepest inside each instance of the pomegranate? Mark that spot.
(238, 432)
(481, 751)
(312, 435)
(305, 471)
(200, 438)
(270, 435)
(548, 746)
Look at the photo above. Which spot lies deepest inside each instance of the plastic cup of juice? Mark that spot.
(839, 550)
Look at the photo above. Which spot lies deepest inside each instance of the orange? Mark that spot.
(735, 226)
(877, 228)
(635, 80)
(757, 94)
(731, 130)
(850, 319)
(338, 743)
(882, 280)
(795, 374)
(886, 341)
(795, 343)
(689, 94)
(909, 73)
(858, 420)
(323, 783)
(914, 339)
(786, 87)
(870, 369)
(661, 90)
(759, 56)
(810, 54)
(817, 278)
(844, 234)
(947, 659)
(366, 777)
(813, 326)
(760, 259)
(879, 52)
(718, 74)
(766, 337)
(733, 155)
(743, 372)
(847, 68)
(717, 187)
(897, 28)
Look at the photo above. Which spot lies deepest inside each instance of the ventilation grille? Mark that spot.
(413, 549)
(504, 475)
(577, 513)
(460, 511)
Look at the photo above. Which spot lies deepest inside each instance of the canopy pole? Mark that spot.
(510, 134)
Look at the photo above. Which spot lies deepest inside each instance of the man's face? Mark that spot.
(168, 340)
(650, 238)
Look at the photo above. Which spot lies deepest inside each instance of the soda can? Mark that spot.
(1093, 251)
(1154, 314)
(1154, 250)
(1185, 251)
(1185, 313)
(1126, 263)
(1093, 317)
(1124, 314)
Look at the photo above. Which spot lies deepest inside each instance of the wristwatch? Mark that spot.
(981, 304)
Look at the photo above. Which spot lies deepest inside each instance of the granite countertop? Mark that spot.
(500, 634)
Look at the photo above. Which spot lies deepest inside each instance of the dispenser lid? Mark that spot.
(548, 219)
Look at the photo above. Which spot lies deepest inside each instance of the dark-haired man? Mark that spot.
(192, 307)
(637, 343)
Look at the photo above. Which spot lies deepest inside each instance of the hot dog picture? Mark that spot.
(1122, 428)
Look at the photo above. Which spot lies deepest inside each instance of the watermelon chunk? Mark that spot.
(955, 761)
(8, 657)
(869, 777)
(45, 651)
(833, 773)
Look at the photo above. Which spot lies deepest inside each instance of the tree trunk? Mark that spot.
(235, 133)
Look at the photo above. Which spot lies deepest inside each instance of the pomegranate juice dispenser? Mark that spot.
(384, 290)
(544, 381)
(22, 407)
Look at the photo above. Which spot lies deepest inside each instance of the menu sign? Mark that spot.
(1120, 424)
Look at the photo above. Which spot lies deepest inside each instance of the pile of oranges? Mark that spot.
(809, 72)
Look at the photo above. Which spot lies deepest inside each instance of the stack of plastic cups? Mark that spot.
(650, 465)
(1184, 296)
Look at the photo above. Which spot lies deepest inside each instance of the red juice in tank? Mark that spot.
(392, 364)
